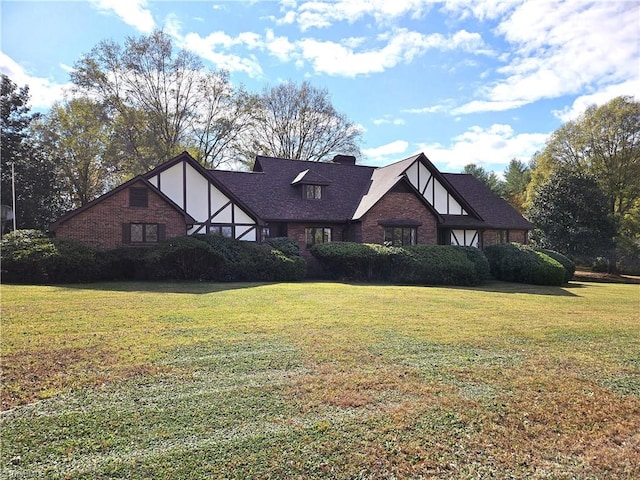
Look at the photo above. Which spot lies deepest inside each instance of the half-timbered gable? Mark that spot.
(200, 195)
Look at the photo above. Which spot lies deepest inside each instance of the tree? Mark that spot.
(161, 100)
(572, 216)
(490, 179)
(77, 136)
(37, 196)
(603, 142)
(298, 122)
(516, 179)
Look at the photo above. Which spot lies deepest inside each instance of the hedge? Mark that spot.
(566, 262)
(29, 256)
(513, 262)
(355, 261)
(419, 264)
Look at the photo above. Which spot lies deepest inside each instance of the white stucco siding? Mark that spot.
(412, 174)
(197, 197)
(246, 232)
(440, 198)
(223, 216)
(455, 208)
(240, 216)
(465, 238)
(172, 184)
(154, 181)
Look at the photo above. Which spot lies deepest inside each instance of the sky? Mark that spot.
(464, 81)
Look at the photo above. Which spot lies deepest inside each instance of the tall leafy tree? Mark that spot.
(298, 122)
(490, 179)
(572, 215)
(37, 195)
(517, 176)
(603, 142)
(161, 100)
(77, 136)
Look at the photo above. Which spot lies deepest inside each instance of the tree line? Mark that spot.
(135, 105)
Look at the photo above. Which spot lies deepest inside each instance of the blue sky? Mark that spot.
(464, 81)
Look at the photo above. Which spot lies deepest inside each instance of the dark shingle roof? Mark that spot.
(273, 191)
(494, 210)
(269, 192)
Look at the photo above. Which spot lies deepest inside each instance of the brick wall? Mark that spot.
(398, 205)
(296, 231)
(100, 225)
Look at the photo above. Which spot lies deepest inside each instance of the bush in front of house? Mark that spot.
(513, 262)
(418, 264)
(182, 258)
(434, 265)
(566, 262)
(354, 261)
(479, 259)
(256, 262)
(30, 256)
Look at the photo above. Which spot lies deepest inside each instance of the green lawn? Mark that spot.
(320, 380)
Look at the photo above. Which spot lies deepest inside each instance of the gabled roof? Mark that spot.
(188, 218)
(269, 192)
(494, 210)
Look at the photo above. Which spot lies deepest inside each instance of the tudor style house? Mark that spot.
(405, 203)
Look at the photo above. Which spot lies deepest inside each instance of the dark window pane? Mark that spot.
(137, 232)
(151, 232)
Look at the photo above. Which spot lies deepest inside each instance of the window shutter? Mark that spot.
(161, 232)
(126, 233)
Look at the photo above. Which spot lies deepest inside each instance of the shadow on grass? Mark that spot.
(195, 288)
(192, 288)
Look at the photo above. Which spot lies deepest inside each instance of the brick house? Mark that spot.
(407, 202)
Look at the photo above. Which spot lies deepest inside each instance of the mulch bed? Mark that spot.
(589, 276)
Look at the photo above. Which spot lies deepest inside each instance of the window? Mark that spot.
(138, 197)
(317, 235)
(266, 232)
(222, 230)
(502, 236)
(143, 232)
(400, 236)
(313, 192)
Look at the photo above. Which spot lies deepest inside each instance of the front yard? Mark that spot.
(320, 380)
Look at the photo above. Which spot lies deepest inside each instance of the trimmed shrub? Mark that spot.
(434, 265)
(182, 258)
(287, 246)
(27, 256)
(128, 263)
(479, 259)
(419, 264)
(30, 256)
(252, 262)
(513, 262)
(354, 261)
(566, 262)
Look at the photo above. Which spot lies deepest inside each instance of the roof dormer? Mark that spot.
(312, 184)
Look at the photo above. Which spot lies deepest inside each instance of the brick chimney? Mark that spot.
(344, 159)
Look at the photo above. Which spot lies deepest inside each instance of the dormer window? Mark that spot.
(313, 192)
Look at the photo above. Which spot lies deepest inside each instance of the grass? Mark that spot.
(320, 380)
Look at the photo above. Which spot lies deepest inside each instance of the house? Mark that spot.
(407, 202)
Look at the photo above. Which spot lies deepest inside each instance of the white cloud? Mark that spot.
(385, 154)
(563, 48)
(402, 46)
(601, 97)
(132, 12)
(388, 120)
(494, 146)
(43, 92)
(321, 14)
